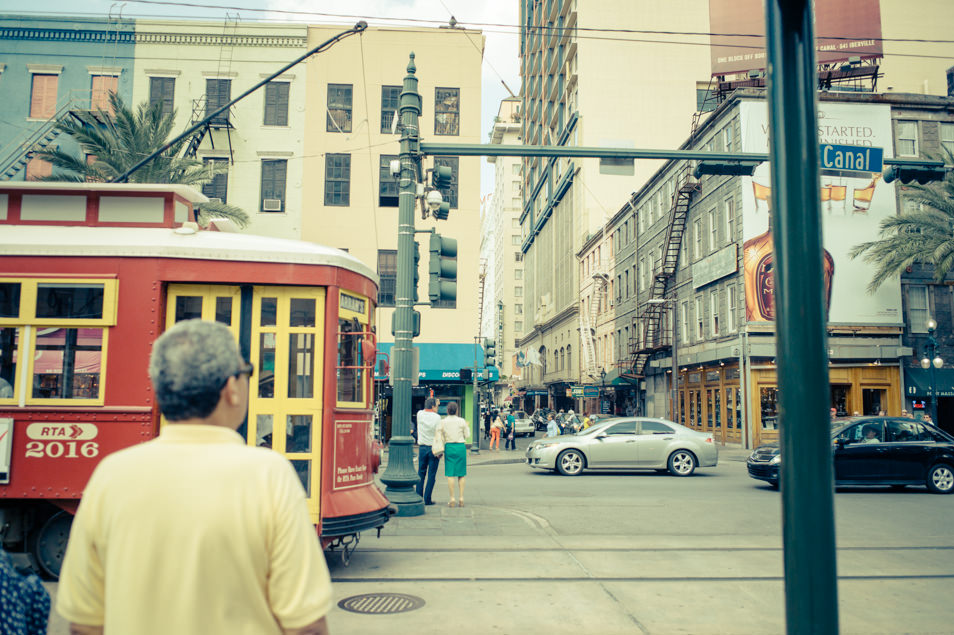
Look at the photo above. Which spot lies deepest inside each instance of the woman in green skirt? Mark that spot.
(454, 431)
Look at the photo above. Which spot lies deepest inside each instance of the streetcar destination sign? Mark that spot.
(851, 158)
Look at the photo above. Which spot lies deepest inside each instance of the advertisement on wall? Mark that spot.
(843, 29)
(852, 208)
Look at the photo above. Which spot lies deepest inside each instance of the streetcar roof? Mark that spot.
(165, 242)
(187, 192)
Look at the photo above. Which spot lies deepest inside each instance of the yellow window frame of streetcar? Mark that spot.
(365, 320)
(279, 406)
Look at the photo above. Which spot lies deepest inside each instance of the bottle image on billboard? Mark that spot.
(759, 274)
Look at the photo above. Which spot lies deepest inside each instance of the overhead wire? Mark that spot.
(367, 115)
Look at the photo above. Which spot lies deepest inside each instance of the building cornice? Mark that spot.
(220, 39)
(104, 36)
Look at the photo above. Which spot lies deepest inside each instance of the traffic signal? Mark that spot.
(417, 272)
(907, 174)
(441, 177)
(728, 168)
(442, 212)
(489, 352)
(442, 285)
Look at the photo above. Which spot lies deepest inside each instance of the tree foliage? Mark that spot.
(923, 235)
(118, 140)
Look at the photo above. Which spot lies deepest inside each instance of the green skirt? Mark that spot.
(455, 459)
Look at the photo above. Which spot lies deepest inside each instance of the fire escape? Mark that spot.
(202, 106)
(588, 317)
(653, 340)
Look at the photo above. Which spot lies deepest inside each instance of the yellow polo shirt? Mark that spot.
(194, 532)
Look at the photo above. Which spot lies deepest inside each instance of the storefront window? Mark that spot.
(872, 399)
(738, 408)
(710, 409)
(718, 408)
(769, 401)
(839, 400)
(698, 409)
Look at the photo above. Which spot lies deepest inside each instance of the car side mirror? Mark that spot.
(840, 442)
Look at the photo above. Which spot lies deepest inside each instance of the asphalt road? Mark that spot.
(642, 553)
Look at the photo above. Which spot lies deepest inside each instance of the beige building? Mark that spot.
(351, 135)
(506, 257)
(195, 67)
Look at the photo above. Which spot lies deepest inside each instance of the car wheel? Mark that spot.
(940, 479)
(682, 463)
(570, 463)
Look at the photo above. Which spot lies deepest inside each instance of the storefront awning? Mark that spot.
(613, 378)
(441, 362)
(917, 382)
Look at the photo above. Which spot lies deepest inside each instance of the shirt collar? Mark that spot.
(198, 433)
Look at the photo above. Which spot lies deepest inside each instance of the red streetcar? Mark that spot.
(91, 274)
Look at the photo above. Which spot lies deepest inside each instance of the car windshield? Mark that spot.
(519, 414)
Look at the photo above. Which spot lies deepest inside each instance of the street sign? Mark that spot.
(851, 158)
(585, 392)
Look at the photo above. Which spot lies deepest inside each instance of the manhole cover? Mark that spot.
(381, 603)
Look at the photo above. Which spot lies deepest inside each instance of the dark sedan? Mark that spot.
(877, 451)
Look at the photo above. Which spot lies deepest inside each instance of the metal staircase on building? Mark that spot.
(223, 121)
(481, 282)
(653, 340)
(591, 366)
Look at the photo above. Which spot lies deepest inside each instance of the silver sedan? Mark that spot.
(630, 443)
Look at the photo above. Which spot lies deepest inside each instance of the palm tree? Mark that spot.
(121, 139)
(923, 235)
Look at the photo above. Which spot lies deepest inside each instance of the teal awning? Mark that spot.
(917, 382)
(442, 362)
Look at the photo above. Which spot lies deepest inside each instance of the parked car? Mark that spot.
(877, 451)
(523, 426)
(626, 443)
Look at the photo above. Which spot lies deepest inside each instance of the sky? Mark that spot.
(500, 65)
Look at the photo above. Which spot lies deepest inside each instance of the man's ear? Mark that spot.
(231, 392)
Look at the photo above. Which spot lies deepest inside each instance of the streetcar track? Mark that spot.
(634, 549)
(565, 580)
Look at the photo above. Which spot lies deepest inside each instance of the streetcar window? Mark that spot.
(67, 363)
(70, 301)
(263, 427)
(10, 299)
(303, 467)
(301, 361)
(298, 433)
(266, 366)
(188, 307)
(269, 312)
(8, 361)
(302, 312)
(350, 373)
(223, 310)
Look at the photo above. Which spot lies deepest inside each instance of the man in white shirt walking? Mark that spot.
(427, 463)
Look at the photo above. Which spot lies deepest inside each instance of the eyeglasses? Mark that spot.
(247, 369)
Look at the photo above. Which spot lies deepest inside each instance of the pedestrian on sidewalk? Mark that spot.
(427, 462)
(195, 532)
(495, 429)
(510, 443)
(454, 430)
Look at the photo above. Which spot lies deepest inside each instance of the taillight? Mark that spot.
(709, 439)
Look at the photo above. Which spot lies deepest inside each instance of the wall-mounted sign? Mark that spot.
(714, 266)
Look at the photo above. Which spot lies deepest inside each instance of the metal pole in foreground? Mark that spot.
(808, 519)
(475, 446)
(400, 476)
(674, 410)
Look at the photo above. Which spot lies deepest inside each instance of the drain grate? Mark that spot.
(381, 603)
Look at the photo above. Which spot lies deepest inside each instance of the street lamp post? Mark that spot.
(602, 388)
(932, 360)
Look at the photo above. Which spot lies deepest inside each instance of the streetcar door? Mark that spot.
(216, 303)
(285, 396)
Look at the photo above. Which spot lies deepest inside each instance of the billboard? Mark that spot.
(843, 29)
(852, 208)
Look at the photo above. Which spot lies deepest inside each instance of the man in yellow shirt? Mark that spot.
(195, 531)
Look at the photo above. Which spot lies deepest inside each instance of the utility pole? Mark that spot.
(400, 477)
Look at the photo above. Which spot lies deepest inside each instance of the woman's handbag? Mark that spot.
(437, 448)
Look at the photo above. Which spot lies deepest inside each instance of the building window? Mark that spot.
(947, 136)
(713, 230)
(387, 274)
(388, 188)
(518, 309)
(731, 301)
(162, 91)
(518, 292)
(36, 169)
(729, 220)
(43, 96)
(518, 326)
(390, 106)
(450, 193)
(697, 236)
(518, 274)
(918, 310)
(276, 103)
(518, 256)
(339, 108)
(274, 172)
(700, 320)
(515, 240)
(908, 138)
(218, 187)
(714, 313)
(684, 322)
(338, 179)
(218, 92)
(626, 274)
(447, 111)
(102, 86)
(727, 138)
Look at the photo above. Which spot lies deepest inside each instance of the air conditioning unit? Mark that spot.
(272, 204)
(214, 200)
